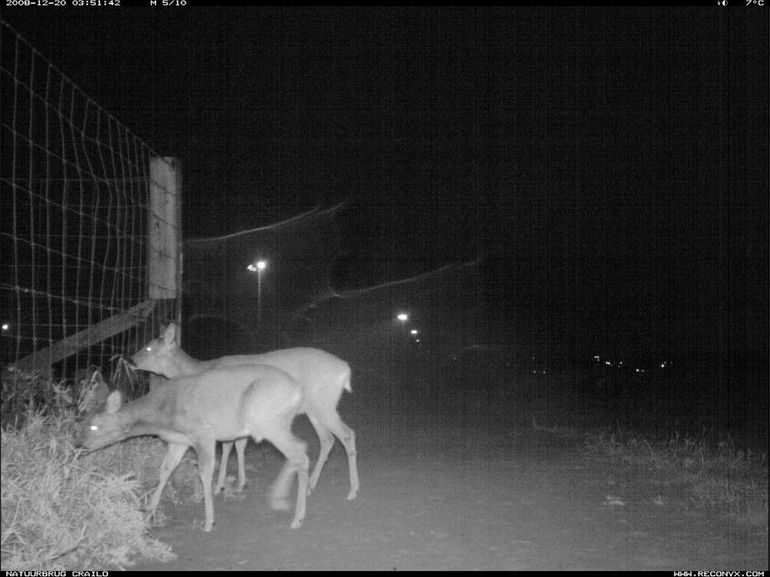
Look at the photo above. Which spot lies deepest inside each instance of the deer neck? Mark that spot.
(147, 415)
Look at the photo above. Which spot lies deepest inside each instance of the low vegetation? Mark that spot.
(689, 472)
(63, 509)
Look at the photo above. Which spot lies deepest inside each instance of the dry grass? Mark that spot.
(63, 509)
(719, 479)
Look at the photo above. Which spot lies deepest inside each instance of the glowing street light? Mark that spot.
(258, 267)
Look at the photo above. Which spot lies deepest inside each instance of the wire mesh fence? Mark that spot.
(79, 205)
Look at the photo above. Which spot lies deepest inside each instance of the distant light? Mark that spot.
(596, 358)
(6, 327)
(662, 365)
(413, 332)
(639, 370)
(403, 317)
(417, 340)
(608, 363)
(260, 265)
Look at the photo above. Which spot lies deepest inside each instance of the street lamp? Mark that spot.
(258, 266)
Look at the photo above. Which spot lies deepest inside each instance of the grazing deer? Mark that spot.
(197, 411)
(321, 375)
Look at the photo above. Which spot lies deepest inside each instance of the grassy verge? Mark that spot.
(692, 473)
(65, 510)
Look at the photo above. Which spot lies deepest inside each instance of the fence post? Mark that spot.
(164, 276)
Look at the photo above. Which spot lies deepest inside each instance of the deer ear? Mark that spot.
(114, 402)
(101, 390)
(169, 336)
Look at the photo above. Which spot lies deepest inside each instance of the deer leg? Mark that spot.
(326, 440)
(205, 450)
(170, 462)
(348, 439)
(296, 461)
(240, 448)
(333, 424)
(226, 448)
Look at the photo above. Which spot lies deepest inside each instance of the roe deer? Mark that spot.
(321, 375)
(199, 410)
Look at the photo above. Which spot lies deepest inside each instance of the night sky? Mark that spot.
(608, 165)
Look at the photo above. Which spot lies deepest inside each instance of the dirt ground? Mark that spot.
(456, 491)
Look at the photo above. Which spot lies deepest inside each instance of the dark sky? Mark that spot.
(609, 164)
